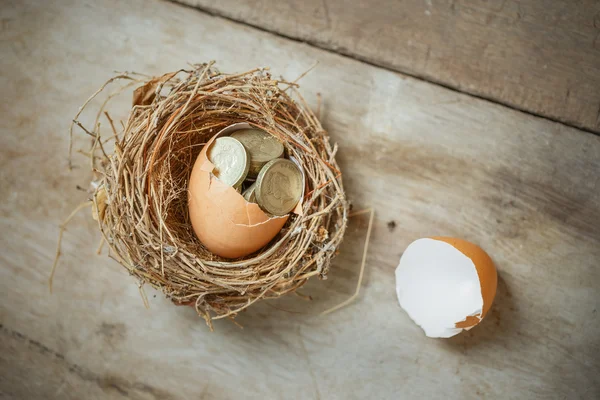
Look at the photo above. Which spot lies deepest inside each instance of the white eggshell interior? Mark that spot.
(438, 286)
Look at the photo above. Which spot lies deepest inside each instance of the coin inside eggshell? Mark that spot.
(224, 222)
(279, 186)
(230, 159)
(261, 146)
(249, 194)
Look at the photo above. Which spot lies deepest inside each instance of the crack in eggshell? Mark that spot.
(252, 210)
(207, 166)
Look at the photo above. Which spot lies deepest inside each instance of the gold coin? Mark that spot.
(261, 147)
(249, 194)
(279, 186)
(230, 160)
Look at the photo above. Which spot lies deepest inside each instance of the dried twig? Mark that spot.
(362, 264)
(62, 229)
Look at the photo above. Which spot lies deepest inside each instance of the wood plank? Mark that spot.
(538, 56)
(49, 375)
(433, 160)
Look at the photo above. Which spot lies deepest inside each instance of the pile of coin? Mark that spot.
(253, 162)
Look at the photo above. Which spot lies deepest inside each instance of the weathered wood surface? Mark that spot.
(539, 56)
(430, 159)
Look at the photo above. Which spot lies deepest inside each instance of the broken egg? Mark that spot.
(226, 223)
(446, 285)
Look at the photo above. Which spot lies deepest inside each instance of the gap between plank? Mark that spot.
(316, 44)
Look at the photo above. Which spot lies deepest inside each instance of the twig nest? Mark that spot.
(141, 198)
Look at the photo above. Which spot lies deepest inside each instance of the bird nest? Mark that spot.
(140, 197)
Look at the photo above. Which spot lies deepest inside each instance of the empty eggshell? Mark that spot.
(446, 285)
(223, 220)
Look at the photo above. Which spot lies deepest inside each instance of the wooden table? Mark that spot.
(431, 160)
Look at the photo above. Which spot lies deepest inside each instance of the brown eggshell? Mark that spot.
(226, 224)
(488, 276)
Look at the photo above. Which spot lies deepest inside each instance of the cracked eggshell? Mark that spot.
(446, 285)
(226, 224)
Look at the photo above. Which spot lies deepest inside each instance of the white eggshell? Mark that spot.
(438, 286)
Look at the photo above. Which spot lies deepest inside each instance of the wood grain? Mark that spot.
(430, 160)
(539, 56)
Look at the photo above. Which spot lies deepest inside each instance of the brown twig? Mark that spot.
(362, 264)
(62, 229)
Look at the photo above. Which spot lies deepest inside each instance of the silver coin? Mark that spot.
(261, 146)
(230, 159)
(249, 194)
(279, 186)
